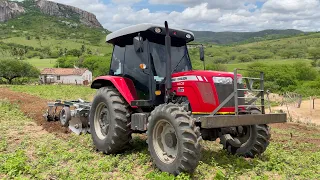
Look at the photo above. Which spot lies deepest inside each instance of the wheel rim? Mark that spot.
(101, 121)
(165, 141)
(242, 137)
(244, 134)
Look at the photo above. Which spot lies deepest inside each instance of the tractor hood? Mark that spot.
(205, 73)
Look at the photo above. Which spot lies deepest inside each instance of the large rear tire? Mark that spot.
(173, 139)
(110, 121)
(249, 141)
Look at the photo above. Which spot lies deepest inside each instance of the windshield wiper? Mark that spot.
(185, 53)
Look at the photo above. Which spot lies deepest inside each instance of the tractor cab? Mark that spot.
(140, 54)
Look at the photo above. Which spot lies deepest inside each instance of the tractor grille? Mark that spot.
(224, 90)
(206, 93)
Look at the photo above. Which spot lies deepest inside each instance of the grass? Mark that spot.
(61, 92)
(232, 66)
(42, 63)
(28, 152)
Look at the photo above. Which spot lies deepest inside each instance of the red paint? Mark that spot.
(189, 89)
(193, 93)
(124, 85)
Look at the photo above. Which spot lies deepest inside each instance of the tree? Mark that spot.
(83, 49)
(314, 53)
(21, 53)
(221, 59)
(305, 72)
(14, 52)
(74, 52)
(244, 58)
(12, 69)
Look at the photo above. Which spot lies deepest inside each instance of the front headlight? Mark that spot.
(240, 80)
(222, 80)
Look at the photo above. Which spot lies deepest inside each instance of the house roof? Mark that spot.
(64, 71)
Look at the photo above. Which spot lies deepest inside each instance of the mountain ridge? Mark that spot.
(11, 9)
(229, 37)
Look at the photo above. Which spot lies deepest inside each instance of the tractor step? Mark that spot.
(241, 120)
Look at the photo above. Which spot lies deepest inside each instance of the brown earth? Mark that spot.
(297, 132)
(304, 114)
(34, 108)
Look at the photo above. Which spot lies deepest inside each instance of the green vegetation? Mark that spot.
(288, 77)
(53, 92)
(42, 63)
(28, 152)
(242, 37)
(34, 35)
(13, 69)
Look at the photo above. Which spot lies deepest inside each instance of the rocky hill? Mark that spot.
(9, 10)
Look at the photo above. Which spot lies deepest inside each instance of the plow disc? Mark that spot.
(71, 114)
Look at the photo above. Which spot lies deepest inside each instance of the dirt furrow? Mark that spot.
(34, 108)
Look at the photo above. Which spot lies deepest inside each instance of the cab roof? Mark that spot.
(146, 29)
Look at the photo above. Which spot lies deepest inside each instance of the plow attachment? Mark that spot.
(72, 114)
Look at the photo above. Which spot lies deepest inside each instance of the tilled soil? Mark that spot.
(298, 132)
(34, 108)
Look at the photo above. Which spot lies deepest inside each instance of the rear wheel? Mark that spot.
(109, 121)
(247, 141)
(173, 139)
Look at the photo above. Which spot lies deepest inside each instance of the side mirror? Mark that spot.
(138, 43)
(201, 53)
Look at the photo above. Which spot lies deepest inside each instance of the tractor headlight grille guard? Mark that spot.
(222, 80)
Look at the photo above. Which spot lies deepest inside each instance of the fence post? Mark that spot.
(310, 105)
(313, 99)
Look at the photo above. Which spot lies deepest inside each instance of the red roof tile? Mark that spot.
(64, 71)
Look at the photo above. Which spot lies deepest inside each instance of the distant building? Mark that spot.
(66, 76)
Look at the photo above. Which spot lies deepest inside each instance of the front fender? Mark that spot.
(124, 85)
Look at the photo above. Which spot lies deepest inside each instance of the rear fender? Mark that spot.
(124, 85)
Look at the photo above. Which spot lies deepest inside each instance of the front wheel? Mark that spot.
(247, 141)
(173, 139)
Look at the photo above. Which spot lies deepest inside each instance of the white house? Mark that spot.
(66, 76)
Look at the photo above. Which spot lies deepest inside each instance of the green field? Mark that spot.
(232, 66)
(42, 63)
(61, 92)
(29, 152)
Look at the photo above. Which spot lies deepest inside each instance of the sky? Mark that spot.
(213, 15)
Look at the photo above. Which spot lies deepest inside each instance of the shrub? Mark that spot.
(221, 59)
(217, 67)
(32, 54)
(67, 62)
(305, 72)
(244, 58)
(74, 52)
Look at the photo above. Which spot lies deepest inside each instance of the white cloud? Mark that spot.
(285, 6)
(216, 4)
(215, 15)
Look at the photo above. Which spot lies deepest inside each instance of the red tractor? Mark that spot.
(151, 88)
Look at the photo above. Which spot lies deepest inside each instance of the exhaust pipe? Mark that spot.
(168, 53)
